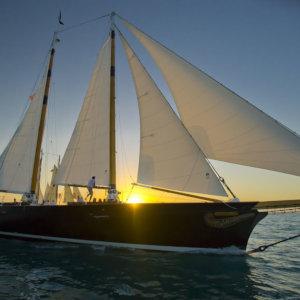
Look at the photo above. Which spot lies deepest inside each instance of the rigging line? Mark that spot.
(27, 103)
(52, 45)
(40, 71)
(124, 153)
(122, 163)
(221, 179)
(53, 104)
(210, 77)
(265, 247)
(82, 23)
(130, 192)
(46, 157)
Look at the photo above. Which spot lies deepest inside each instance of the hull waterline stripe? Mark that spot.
(227, 250)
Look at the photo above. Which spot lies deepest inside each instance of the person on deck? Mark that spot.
(91, 184)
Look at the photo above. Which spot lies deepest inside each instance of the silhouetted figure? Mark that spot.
(91, 184)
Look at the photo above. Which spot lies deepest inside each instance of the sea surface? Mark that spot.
(62, 271)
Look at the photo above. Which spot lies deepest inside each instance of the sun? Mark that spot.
(135, 199)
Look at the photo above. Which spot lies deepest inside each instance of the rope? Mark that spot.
(265, 247)
(131, 190)
(82, 23)
(124, 153)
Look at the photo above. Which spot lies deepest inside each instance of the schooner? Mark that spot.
(213, 123)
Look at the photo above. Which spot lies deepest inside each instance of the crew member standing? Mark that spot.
(91, 184)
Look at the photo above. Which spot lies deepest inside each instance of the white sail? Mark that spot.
(40, 196)
(52, 195)
(224, 125)
(169, 157)
(52, 189)
(16, 161)
(47, 191)
(68, 196)
(87, 154)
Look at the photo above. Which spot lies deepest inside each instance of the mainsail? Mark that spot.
(17, 160)
(87, 154)
(224, 125)
(169, 157)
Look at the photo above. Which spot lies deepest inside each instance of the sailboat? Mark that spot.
(175, 152)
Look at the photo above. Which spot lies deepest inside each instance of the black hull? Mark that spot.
(161, 226)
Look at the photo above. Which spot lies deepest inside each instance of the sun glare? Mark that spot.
(135, 199)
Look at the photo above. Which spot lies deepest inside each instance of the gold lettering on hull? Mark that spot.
(214, 220)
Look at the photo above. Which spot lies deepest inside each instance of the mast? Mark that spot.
(42, 122)
(38, 188)
(112, 135)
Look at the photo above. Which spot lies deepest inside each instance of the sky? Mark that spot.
(250, 46)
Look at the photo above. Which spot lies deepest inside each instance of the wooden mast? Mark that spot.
(42, 123)
(112, 136)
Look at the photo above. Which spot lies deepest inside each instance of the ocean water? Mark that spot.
(63, 271)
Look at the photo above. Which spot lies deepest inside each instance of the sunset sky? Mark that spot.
(250, 46)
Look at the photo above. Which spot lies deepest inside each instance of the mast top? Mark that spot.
(112, 20)
(55, 40)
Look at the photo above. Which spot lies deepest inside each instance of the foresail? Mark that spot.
(16, 161)
(224, 125)
(169, 157)
(87, 154)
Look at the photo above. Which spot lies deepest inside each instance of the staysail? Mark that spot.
(87, 154)
(17, 160)
(169, 157)
(224, 125)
